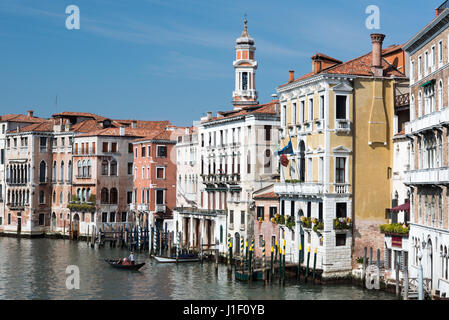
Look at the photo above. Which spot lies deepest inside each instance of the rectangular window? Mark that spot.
(124, 214)
(104, 217)
(76, 148)
(341, 107)
(143, 151)
(340, 239)
(309, 209)
(161, 151)
(260, 213)
(321, 107)
(440, 52)
(130, 148)
(284, 116)
(273, 211)
(293, 113)
(160, 173)
(114, 147)
(2, 156)
(43, 142)
(149, 151)
(129, 197)
(283, 207)
(292, 208)
(311, 109)
(242, 217)
(159, 196)
(340, 170)
(9, 218)
(341, 208)
(41, 219)
(105, 147)
(231, 216)
(267, 133)
(320, 211)
(419, 67)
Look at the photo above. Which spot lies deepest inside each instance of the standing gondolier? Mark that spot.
(131, 258)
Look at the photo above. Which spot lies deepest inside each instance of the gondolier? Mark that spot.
(131, 258)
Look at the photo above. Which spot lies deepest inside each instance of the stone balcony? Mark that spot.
(427, 122)
(342, 125)
(311, 188)
(160, 207)
(436, 176)
(142, 207)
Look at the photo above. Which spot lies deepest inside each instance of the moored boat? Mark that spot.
(180, 258)
(118, 265)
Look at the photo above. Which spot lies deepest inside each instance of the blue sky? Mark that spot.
(172, 59)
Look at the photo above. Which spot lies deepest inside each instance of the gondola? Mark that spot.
(115, 264)
(181, 258)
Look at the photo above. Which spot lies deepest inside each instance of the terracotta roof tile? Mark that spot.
(46, 126)
(21, 118)
(269, 195)
(115, 132)
(360, 66)
(79, 114)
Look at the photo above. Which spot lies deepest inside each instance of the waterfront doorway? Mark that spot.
(19, 225)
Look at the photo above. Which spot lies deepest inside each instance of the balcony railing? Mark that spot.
(429, 121)
(160, 207)
(142, 207)
(319, 124)
(342, 125)
(190, 210)
(308, 127)
(341, 188)
(428, 176)
(299, 188)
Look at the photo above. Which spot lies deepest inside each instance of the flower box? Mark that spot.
(342, 224)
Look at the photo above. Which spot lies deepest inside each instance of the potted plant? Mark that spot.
(359, 262)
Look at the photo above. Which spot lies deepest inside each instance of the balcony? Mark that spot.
(319, 125)
(208, 212)
(291, 130)
(142, 207)
(132, 206)
(427, 122)
(341, 188)
(15, 183)
(308, 127)
(160, 208)
(231, 226)
(299, 188)
(342, 125)
(16, 205)
(435, 176)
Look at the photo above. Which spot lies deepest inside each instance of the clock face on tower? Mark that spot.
(244, 81)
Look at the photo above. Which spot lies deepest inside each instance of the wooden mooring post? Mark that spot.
(397, 275)
(314, 265)
(271, 265)
(307, 267)
(406, 284)
(298, 272)
(364, 264)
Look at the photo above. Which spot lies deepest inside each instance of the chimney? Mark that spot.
(122, 131)
(438, 11)
(291, 75)
(134, 124)
(30, 113)
(376, 66)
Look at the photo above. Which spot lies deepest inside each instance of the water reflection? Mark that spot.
(35, 269)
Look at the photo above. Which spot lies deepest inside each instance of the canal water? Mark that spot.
(36, 269)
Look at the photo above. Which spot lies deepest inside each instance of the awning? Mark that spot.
(427, 83)
(402, 207)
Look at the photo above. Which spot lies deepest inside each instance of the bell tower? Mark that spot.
(245, 67)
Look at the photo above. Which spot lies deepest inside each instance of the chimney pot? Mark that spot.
(134, 124)
(291, 76)
(30, 113)
(122, 131)
(377, 41)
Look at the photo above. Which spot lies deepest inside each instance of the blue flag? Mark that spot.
(288, 149)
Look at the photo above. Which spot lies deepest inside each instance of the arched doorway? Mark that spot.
(53, 221)
(429, 256)
(236, 244)
(75, 226)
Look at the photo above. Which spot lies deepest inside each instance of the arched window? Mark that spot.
(104, 167)
(80, 168)
(114, 196)
(70, 171)
(61, 198)
(84, 168)
(78, 194)
(88, 194)
(42, 171)
(114, 168)
(412, 107)
(54, 196)
(104, 196)
(61, 174)
(267, 161)
(89, 168)
(84, 195)
(420, 110)
(53, 178)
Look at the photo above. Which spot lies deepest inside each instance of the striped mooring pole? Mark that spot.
(271, 264)
(263, 261)
(307, 267)
(241, 252)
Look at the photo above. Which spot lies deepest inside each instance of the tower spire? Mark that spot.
(245, 68)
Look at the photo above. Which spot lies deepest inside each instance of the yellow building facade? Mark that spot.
(337, 183)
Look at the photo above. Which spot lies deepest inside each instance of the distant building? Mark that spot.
(428, 177)
(236, 149)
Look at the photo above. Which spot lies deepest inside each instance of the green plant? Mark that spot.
(359, 259)
(394, 228)
(342, 223)
(318, 226)
(290, 222)
(306, 222)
